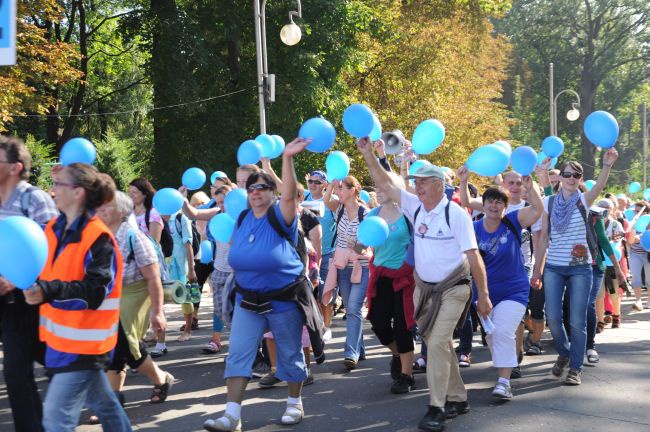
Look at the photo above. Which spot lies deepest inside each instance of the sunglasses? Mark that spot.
(315, 182)
(569, 175)
(64, 184)
(259, 187)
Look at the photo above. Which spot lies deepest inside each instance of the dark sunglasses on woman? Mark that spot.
(260, 187)
(569, 175)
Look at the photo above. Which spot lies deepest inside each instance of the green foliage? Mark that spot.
(42, 161)
(118, 157)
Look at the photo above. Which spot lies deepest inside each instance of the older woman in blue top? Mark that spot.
(266, 264)
(499, 240)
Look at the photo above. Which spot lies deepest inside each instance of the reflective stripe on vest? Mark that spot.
(71, 333)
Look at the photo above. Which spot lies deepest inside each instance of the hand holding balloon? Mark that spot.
(463, 174)
(5, 286)
(364, 145)
(380, 148)
(610, 157)
(296, 146)
(34, 295)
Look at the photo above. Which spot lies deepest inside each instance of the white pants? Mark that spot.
(506, 317)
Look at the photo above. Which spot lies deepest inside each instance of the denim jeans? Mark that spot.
(322, 276)
(466, 335)
(577, 281)
(353, 295)
(67, 394)
(597, 280)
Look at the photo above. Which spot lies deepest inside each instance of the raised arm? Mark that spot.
(289, 181)
(466, 200)
(542, 173)
(529, 215)
(193, 213)
(378, 174)
(266, 166)
(540, 254)
(328, 198)
(608, 160)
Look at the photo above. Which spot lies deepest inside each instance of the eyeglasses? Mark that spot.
(494, 201)
(64, 184)
(569, 175)
(259, 187)
(315, 182)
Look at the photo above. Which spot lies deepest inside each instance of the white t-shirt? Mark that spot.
(441, 249)
(570, 247)
(526, 238)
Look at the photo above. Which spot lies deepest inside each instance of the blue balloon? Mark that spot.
(77, 150)
(617, 254)
(601, 128)
(428, 136)
(505, 145)
(540, 158)
(267, 143)
(589, 184)
(417, 165)
(321, 132)
(217, 175)
(634, 187)
(373, 231)
(168, 201)
(375, 134)
(193, 178)
(249, 152)
(645, 241)
(358, 120)
(365, 196)
(236, 202)
(206, 251)
(222, 226)
(523, 160)
(337, 165)
(278, 149)
(23, 250)
(646, 194)
(629, 214)
(552, 146)
(642, 223)
(488, 160)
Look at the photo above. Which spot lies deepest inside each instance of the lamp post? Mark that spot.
(572, 115)
(645, 146)
(290, 35)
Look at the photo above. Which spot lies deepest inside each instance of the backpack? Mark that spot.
(360, 215)
(592, 242)
(415, 215)
(164, 275)
(196, 237)
(166, 242)
(25, 198)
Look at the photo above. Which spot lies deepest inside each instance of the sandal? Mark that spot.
(293, 414)
(159, 393)
(616, 321)
(600, 327)
(212, 347)
(184, 337)
(195, 324)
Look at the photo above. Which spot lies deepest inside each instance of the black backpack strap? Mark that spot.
(447, 213)
(551, 200)
(508, 223)
(275, 224)
(409, 225)
(147, 212)
(177, 225)
(25, 200)
(339, 215)
(415, 215)
(361, 213)
(241, 217)
(592, 242)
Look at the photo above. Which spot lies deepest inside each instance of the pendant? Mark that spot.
(422, 229)
(251, 238)
(393, 227)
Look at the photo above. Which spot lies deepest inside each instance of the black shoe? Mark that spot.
(516, 373)
(403, 384)
(395, 367)
(434, 420)
(454, 409)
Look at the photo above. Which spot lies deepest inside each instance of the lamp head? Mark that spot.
(290, 34)
(573, 114)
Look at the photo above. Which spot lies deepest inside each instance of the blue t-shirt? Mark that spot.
(262, 260)
(328, 224)
(504, 262)
(392, 253)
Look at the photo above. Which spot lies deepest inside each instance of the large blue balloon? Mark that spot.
(358, 120)
(321, 132)
(505, 145)
(193, 178)
(417, 165)
(645, 241)
(428, 136)
(206, 251)
(375, 134)
(217, 175)
(589, 184)
(222, 226)
(523, 160)
(77, 150)
(488, 160)
(642, 223)
(634, 187)
(236, 202)
(646, 194)
(617, 254)
(278, 149)
(23, 249)
(601, 128)
(337, 165)
(552, 146)
(249, 152)
(629, 214)
(267, 143)
(373, 231)
(365, 196)
(168, 201)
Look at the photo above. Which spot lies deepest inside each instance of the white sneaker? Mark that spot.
(225, 423)
(502, 391)
(328, 334)
(293, 414)
(638, 305)
(592, 356)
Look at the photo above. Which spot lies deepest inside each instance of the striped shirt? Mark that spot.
(570, 247)
(347, 230)
(39, 207)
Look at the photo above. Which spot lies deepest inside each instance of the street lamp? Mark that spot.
(645, 145)
(572, 115)
(290, 35)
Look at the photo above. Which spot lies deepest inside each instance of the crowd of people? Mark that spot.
(522, 255)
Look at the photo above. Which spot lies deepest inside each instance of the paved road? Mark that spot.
(614, 396)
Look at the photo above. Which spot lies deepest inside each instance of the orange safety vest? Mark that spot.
(91, 332)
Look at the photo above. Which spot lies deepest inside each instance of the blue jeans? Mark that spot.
(597, 280)
(577, 280)
(353, 295)
(67, 394)
(322, 275)
(466, 335)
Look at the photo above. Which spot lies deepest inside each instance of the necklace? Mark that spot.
(257, 224)
(424, 226)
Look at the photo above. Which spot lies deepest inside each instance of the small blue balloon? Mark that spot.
(428, 136)
(540, 158)
(524, 160)
(589, 184)
(337, 165)
(222, 226)
(601, 128)
(552, 146)
(645, 241)
(642, 223)
(646, 194)
(634, 187)
(358, 120)
(505, 145)
(321, 132)
(206, 251)
(629, 214)
(267, 143)
(417, 165)
(488, 160)
(373, 231)
(617, 254)
(217, 175)
(375, 134)
(236, 202)
(168, 201)
(23, 249)
(249, 152)
(193, 178)
(365, 196)
(278, 149)
(77, 150)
